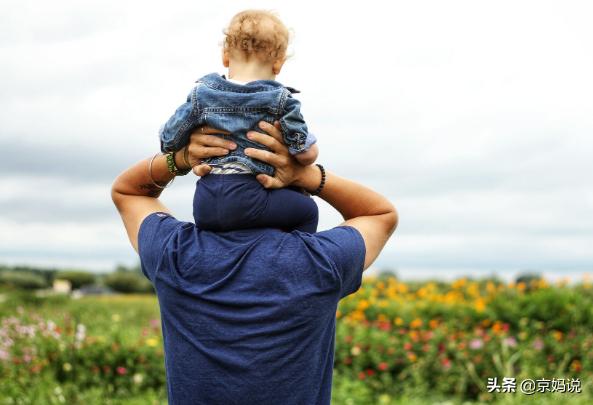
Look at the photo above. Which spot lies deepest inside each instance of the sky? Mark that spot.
(474, 118)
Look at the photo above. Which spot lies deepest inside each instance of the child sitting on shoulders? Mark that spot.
(230, 197)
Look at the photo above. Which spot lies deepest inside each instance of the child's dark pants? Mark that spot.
(224, 202)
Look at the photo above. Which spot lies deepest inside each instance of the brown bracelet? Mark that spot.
(322, 184)
(152, 178)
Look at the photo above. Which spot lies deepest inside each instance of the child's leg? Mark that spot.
(289, 209)
(225, 202)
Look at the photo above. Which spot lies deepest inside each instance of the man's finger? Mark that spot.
(272, 130)
(265, 156)
(209, 130)
(267, 140)
(211, 140)
(268, 182)
(201, 170)
(202, 152)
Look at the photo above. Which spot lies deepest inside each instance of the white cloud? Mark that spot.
(474, 117)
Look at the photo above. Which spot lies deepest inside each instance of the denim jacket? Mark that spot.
(237, 108)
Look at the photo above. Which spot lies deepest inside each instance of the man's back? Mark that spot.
(249, 316)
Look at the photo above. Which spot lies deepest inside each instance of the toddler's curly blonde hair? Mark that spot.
(257, 33)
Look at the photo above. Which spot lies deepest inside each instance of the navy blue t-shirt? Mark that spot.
(248, 316)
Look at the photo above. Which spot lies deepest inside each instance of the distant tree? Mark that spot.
(120, 268)
(128, 282)
(528, 278)
(386, 274)
(77, 278)
(22, 280)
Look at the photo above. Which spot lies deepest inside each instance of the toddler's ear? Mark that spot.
(277, 66)
(225, 58)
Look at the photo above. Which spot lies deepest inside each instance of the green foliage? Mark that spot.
(128, 282)
(23, 280)
(396, 343)
(76, 278)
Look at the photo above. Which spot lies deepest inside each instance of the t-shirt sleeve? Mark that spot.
(345, 246)
(155, 231)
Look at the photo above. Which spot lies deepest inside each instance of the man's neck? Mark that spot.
(244, 71)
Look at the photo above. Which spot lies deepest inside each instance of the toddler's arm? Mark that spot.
(175, 133)
(308, 157)
(300, 142)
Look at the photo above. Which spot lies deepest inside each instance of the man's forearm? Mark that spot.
(144, 180)
(351, 199)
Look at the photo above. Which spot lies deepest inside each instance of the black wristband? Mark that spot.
(318, 190)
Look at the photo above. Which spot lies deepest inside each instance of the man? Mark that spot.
(248, 316)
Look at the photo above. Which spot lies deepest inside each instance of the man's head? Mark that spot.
(256, 37)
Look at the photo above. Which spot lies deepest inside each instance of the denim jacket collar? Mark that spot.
(219, 82)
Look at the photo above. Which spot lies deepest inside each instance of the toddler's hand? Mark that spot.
(309, 157)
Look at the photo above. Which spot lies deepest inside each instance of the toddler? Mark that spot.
(230, 197)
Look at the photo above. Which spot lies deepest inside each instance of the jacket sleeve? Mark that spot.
(294, 128)
(175, 133)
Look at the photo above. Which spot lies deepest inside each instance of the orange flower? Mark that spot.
(416, 323)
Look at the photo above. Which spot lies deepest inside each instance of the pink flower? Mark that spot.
(476, 344)
(510, 341)
(538, 344)
(121, 370)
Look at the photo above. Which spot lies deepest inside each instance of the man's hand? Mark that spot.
(203, 144)
(288, 170)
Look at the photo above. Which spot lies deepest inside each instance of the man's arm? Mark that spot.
(362, 208)
(134, 192)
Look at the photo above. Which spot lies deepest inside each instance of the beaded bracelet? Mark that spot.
(318, 190)
(172, 167)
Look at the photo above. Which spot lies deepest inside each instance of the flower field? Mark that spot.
(396, 343)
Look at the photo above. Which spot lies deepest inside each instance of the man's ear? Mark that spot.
(225, 58)
(277, 66)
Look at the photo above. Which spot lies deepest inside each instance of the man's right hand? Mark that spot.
(204, 144)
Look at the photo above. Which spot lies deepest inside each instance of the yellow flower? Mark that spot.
(67, 367)
(363, 304)
(557, 335)
(355, 351)
(480, 305)
(412, 357)
(459, 283)
(152, 342)
(398, 321)
(115, 317)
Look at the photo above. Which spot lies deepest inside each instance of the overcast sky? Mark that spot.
(475, 118)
